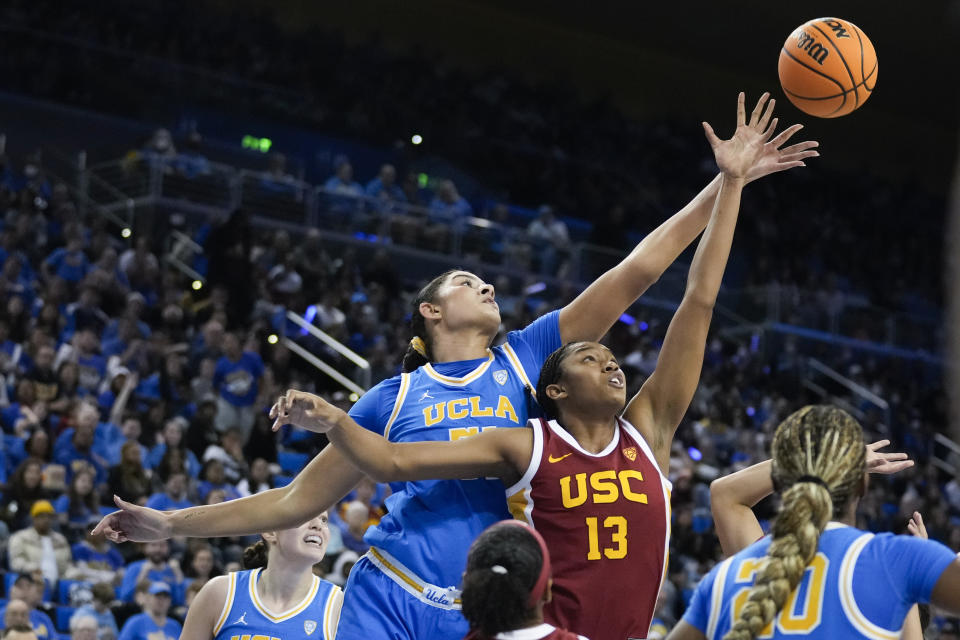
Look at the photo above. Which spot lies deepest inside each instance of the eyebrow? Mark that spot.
(467, 276)
(600, 348)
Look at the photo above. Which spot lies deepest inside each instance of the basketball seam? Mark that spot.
(830, 97)
(846, 66)
(856, 30)
(819, 73)
(876, 63)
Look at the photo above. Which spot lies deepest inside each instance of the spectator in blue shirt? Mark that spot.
(384, 190)
(80, 503)
(236, 379)
(174, 494)
(153, 623)
(75, 446)
(99, 610)
(85, 314)
(157, 566)
(448, 205)
(343, 192)
(212, 477)
(173, 438)
(91, 366)
(69, 263)
(17, 614)
(94, 559)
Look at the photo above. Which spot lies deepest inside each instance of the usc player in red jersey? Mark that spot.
(591, 478)
(506, 585)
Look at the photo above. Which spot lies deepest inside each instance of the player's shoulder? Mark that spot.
(218, 589)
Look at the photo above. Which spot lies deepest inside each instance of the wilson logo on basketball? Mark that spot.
(813, 48)
(631, 453)
(837, 28)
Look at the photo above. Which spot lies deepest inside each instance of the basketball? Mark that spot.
(828, 67)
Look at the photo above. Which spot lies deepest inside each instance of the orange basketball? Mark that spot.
(828, 67)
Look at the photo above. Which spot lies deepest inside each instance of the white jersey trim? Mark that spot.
(647, 451)
(847, 600)
(524, 485)
(462, 381)
(442, 597)
(331, 613)
(716, 597)
(570, 440)
(518, 367)
(398, 404)
(228, 603)
(530, 633)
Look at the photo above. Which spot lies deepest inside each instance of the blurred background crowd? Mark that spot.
(132, 369)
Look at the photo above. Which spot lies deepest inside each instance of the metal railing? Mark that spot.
(282, 201)
(856, 390)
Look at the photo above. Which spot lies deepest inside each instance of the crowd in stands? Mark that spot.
(120, 379)
(527, 144)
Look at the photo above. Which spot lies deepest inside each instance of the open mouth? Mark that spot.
(617, 381)
(314, 540)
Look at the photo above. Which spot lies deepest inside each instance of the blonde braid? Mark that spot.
(819, 456)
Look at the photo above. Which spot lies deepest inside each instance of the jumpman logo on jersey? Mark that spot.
(426, 394)
(242, 619)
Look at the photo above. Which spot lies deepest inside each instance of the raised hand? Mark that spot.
(774, 159)
(738, 156)
(916, 526)
(133, 523)
(886, 463)
(306, 411)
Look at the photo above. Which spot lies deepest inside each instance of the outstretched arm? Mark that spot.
(494, 453)
(732, 497)
(595, 310)
(319, 486)
(657, 409)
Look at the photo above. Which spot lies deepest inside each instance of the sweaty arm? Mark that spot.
(494, 453)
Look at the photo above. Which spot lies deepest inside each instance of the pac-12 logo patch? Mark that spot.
(630, 452)
(500, 376)
(309, 626)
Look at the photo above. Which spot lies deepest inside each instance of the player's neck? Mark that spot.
(453, 347)
(850, 515)
(593, 432)
(276, 588)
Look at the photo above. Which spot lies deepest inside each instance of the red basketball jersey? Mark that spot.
(606, 520)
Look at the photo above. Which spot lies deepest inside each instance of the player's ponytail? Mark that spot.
(418, 351)
(255, 556)
(818, 464)
(505, 579)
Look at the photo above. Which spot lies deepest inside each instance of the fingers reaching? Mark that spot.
(741, 110)
(785, 135)
(711, 136)
(767, 112)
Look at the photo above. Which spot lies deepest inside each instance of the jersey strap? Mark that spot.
(518, 367)
(227, 604)
(519, 500)
(398, 404)
(847, 600)
(440, 597)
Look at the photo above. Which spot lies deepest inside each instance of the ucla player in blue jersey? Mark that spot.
(278, 597)
(817, 575)
(454, 385)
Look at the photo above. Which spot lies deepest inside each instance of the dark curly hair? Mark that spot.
(495, 601)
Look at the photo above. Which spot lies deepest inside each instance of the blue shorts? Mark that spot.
(377, 608)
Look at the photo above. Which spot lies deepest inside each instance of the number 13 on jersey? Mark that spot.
(616, 527)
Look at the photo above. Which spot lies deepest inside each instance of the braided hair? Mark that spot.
(418, 351)
(255, 556)
(550, 373)
(502, 569)
(819, 459)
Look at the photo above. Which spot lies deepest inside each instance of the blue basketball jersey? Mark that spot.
(423, 540)
(859, 585)
(244, 616)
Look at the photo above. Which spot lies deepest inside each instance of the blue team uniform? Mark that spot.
(859, 585)
(406, 585)
(245, 616)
